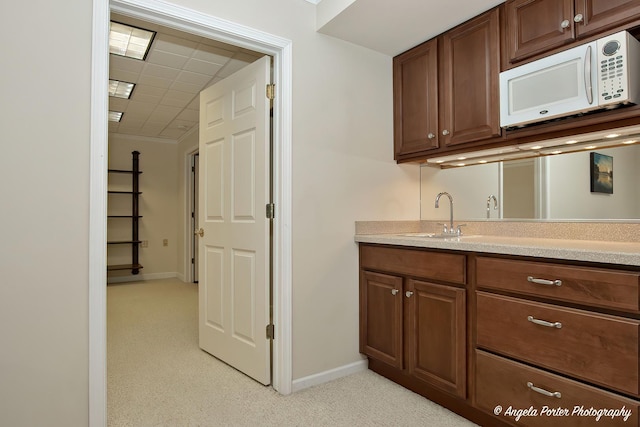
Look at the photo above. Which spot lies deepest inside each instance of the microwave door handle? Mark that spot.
(587, 75)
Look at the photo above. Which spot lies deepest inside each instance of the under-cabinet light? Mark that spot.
(612, 135)
(120, 89)
(132, 42)
(115, 116)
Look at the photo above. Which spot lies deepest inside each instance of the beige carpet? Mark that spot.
(157, 376)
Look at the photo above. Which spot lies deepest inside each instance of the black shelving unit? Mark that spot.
(135, 216)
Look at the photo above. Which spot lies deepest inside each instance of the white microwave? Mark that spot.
(601, 74)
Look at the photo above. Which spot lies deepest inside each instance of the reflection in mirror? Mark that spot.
(554, 187)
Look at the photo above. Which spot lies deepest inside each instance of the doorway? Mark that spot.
(207, 26)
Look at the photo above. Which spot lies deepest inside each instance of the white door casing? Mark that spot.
(234, 251)
(195, 22)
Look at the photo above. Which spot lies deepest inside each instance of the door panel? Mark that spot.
(234, 183)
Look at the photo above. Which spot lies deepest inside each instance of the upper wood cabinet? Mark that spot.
(446, 89)
(470, 88)
(537, 26)
(415, 99)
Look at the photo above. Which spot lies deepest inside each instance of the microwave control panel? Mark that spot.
(618, 58)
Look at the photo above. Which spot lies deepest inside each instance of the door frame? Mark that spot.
(215, 28)
(190, 204)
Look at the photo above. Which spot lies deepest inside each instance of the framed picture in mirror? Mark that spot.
(601, 168)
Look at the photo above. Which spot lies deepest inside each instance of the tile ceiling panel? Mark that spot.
(165, 101)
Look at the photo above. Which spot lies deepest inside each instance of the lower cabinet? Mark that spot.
(518, 341)
(556, 344)
(413, 324)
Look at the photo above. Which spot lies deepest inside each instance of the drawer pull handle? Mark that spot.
(543, 391)
(544, 322)
(544, 281)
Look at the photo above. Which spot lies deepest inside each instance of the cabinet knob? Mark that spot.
(445, 132)
(408, 294)
(578, 18)
(565, 23)
(431, 135)
(394, 292)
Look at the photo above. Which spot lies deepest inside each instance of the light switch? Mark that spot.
(165, 242)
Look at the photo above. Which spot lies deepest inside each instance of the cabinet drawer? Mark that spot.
(417, 263)
(500, 381)
(615, 289)
(598, 348)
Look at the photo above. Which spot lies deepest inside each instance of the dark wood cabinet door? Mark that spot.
(600, 15)
(381, 317)
(470, 60)
(436, 338)
(415, 99)
(535, 26)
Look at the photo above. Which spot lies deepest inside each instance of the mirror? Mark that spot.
(555, 187)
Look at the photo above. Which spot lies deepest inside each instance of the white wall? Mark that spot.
(342, 172)
(158, 206)
(44, 127)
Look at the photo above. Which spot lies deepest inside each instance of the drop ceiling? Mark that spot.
(164, 102)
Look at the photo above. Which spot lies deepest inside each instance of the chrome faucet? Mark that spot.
(495, 204)
(444, 193)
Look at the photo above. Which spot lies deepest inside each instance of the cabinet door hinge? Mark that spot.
(271, 210)
(270, 331)
(271, 91)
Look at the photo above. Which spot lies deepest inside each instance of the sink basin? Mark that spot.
(432, 235)
(435, 235)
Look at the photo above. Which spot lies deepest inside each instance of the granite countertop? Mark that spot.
(622, 253)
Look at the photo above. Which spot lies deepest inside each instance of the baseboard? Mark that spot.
(139, 277)
(330, 375)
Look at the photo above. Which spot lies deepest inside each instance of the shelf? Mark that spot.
(124, 192)
(134, 243)
(122, 171)
(124, 267)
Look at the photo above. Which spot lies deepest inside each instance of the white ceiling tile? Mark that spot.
(177, 45)
(202, 67)
(155, 81)
(139, 111)
(193, 78)
(123, 63)
(212, 54)
(160, 71)
(164, 112)
(167, 59)
(150, 90)
(189, 116)
(231, 67)
(124, 76)
(177, 99)
(172, 133)
(186, 87)
(195, 104)
(118, 104)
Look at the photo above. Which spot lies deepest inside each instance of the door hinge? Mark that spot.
(193, 260)
(271, 91)
(270, 331)
(271, 210)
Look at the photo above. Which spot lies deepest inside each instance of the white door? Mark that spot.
(234, 254)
